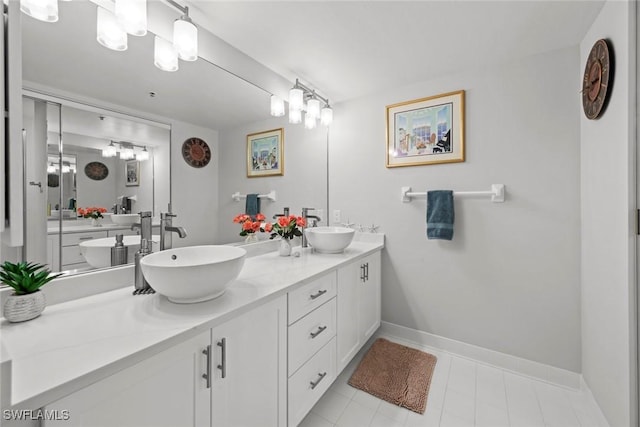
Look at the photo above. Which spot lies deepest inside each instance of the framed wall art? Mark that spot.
(265, 153)
(132, 173)
(426, 131)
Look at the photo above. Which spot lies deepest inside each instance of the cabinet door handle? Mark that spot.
(366, 271)
(85, 238)
(315, 383)
(319, 294)
(362, 272)
(223, 363)
(318, 332)
(207, 376)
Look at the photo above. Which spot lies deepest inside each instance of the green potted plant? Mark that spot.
(26, 279)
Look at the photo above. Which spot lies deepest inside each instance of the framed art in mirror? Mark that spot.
(132, 173)
(265, 153)
(426, 131)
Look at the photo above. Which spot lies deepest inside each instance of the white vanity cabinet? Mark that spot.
(249, 365)
(359, 296)
(166, 389)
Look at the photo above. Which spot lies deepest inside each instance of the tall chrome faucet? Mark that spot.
(144, 226)
(286, 213)
(307, 217)
(166, 228)
(146, 247)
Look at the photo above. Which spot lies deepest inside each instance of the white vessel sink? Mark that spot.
(194, 273)
(125, 219)
(329, 240)
(97, 252)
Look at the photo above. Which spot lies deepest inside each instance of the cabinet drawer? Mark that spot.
(311, 333)
(310, 296)
(320, 370)
(72, 255)
(70, 239)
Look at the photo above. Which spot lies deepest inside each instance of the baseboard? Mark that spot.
(505, 361)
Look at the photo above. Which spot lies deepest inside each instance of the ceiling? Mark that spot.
(343, 49)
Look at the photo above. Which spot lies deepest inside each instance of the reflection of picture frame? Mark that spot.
(426, 131)
(265, 153)
(132, 173)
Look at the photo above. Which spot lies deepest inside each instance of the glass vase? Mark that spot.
(285, 247)
(251, 238)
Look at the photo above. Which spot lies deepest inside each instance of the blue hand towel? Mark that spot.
(252, 207)
(440, 214)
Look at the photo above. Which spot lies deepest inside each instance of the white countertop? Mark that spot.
(76, 343)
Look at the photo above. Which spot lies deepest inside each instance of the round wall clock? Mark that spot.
(96, 171)
(598, 76)
(196, 152)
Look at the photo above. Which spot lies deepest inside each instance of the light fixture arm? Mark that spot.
(310, 92)
(127, 144)
(183, 9)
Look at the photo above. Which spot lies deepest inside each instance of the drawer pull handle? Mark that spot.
(319, 294)
(85, 238)
(318, 332)
(223, 365)
(315, 383)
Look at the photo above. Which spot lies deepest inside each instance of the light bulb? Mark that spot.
(313, 108)
(185, 38)
(42, 10)
(110, 32)
(326, 116)
(132, 15)
(277, 106)
(165, 55)
(295, 116)
(295, 99)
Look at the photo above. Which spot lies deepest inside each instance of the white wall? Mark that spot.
(194, 191)
(509, 280)
(608, 202)
(304, 183)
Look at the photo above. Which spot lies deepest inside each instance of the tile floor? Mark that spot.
(463, 393)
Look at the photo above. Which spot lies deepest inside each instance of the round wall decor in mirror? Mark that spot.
(196, 152)
(96, 171)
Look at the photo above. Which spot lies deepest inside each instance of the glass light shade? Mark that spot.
(66, 168)
(42, 10)
(126, 153)
(295, 100)
(326, 116)
(295, 116)
(142, 155)
(110, 32)
(185, 39)
(313, 108)
(277, 106)
(109, 151)
(132, 15)
(165, 55)
(51, 168)
(309, 122)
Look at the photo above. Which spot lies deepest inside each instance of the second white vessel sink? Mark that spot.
(193, 273)
(97, 252)
(125, 219)
(329, 240)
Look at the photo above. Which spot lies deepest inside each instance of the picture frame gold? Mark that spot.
(426, 131)
(265, 153)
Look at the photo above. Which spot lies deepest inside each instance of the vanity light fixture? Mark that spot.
(297, 95)
(42, 10)
(51, 168)
(111, 34)
(110, 150)
(165, 55)
(185, 37)
(132, 14)
(127, 150)
(142, 155)
(126, 153)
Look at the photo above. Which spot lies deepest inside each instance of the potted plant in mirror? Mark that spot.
(287, 227)
(26, 279)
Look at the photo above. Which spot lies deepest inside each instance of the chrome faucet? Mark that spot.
(286, 213)
(166, 228)
(140, 284)
(144, 226)
(307, 217)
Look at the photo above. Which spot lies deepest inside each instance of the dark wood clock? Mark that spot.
(597, 80)
(196, 152)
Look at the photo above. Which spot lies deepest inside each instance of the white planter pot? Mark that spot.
(20, 308)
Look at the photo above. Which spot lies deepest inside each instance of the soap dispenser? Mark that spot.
(119, 252)
(141, 285)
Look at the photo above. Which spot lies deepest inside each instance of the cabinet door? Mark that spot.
(348, 336)
(249, 366)
(166, 389)
(369, 296)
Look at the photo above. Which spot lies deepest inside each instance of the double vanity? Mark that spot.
(261, 354)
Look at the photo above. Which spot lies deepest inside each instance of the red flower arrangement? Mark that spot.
(92, 212)
(249, 224)
(286, 227)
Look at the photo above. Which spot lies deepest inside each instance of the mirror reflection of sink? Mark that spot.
(125, 219)
(329, 240)
(193, 273)
(97, 252)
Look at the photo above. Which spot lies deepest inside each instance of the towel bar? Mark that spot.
(497, 193)
(271, 196)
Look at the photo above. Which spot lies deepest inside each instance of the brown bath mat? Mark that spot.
(395, 373)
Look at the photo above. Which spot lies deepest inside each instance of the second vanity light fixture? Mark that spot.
(298, 94)
(130, 17)
(127, 151)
